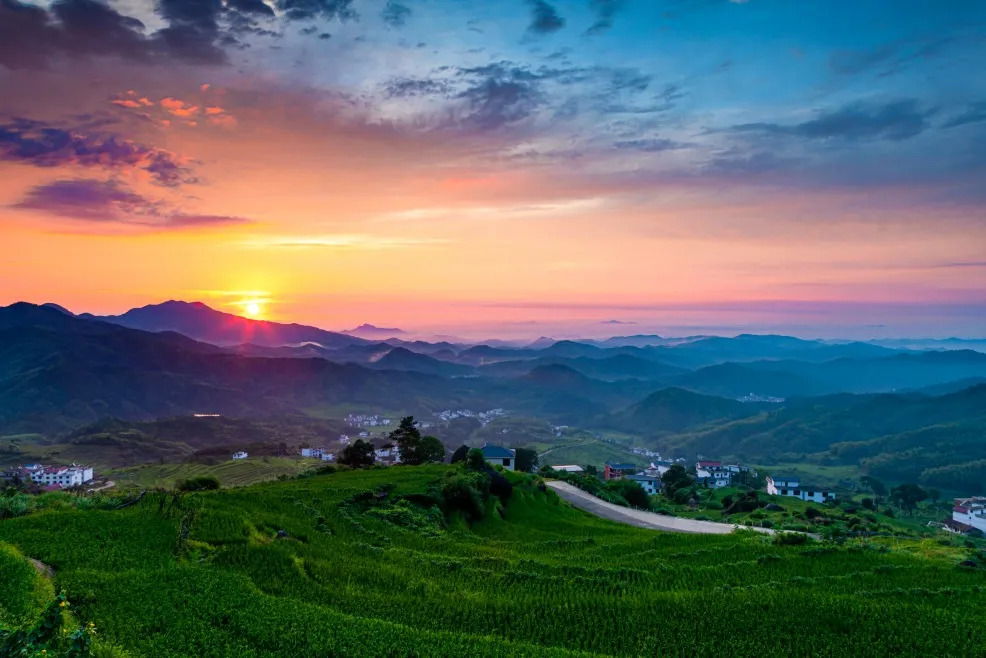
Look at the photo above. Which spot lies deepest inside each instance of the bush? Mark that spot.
(791, 538)
(200, 483)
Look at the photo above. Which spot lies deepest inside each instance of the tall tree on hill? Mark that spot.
(460, 454)
(357, 454)
(675, 478)
(907, 496)
(407, 437)
(527, 460)
(430, 449)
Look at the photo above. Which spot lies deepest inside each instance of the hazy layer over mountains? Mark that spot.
(750, 396)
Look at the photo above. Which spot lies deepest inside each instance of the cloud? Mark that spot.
(544, 18)
(340, 241)
(894, 121)
(617, 322)
(110, 202)
(299, 10)
(42, 144)
(975, 113)
(179, 108)
(649, 145)
(604, 11)
(411, 87)
(258, 7)
(32, 36)
(495, 103)
(395, 14)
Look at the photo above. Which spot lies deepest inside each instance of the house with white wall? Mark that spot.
(240, 455)
(650, 483)
(313, 453)
(791, 485)
(62, 476)
(971, 512)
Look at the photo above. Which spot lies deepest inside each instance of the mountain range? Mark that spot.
(838, 401)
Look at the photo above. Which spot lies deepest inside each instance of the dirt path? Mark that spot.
(601, 508)
(108, 485)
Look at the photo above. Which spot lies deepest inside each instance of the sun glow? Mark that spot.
(252, 309)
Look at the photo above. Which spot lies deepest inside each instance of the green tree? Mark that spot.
(631, 492)
(527, 460)
(934, 495)
(675, 478)
(407, 437)
(475, 460)
(874, 485)
(460, 454)
(357, 454)
(907, 496)
(431, 450)
(591, 470)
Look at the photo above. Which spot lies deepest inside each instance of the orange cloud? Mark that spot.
(179, 108)
(126, 103)
(214, 110)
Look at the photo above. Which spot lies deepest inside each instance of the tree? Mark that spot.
(407, 437)
(431, 450)
(527, 460)
(357, 454)
(934, 495)
(675, 478)
(475, 460)
(907, 496)
(460, 454)
(874, 485)
(591, 470)
(631, 492)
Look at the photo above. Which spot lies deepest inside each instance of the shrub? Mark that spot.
(200, 483)
(791, 538)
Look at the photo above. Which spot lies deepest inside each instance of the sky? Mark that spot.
(507, 167)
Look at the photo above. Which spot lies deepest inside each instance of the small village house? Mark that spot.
(499, 456)
(618, 470)
(567, 468)
(313, 453)
(650, 483)
(240, 455)
(791, 485)
(970, 512)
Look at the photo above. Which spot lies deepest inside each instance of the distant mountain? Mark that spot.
(198, 321)
(57, 307)
(401, 358)
(374, 333)
(610, 368)
(675, 409)
(734, 380)
(540, 343)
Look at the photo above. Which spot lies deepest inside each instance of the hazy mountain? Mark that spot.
(674, 409)
(371, 332)
(196, 320)
(611, 368)
(400, 358)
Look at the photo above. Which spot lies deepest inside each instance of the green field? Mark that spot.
(413, 562)
(230, 473)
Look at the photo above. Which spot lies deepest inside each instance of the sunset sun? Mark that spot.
(252, 309)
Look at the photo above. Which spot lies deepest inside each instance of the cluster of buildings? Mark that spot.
(710, 474)
(317, 453)
(484, 417)
(968, 515)
(51, 477)
(367, 420)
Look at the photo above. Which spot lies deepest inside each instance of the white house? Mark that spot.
(500, 456)
(328, 456)
(971, 512)
(650, 483)
(714, 476)
(63, 476)
(388, 454)
(790, 485)
(314, 453)
(240, 455)
(567, 468)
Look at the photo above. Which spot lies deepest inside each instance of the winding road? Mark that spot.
(601, 508)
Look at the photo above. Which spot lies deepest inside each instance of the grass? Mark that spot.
(232, 473)
(353, 563)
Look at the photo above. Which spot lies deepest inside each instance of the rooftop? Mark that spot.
(497, 452)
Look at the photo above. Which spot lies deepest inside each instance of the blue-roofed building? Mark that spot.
(499, 456)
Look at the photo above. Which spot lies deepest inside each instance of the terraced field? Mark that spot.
(398, 562)
(231, 473)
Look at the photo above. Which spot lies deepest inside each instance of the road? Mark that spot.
(601, 508)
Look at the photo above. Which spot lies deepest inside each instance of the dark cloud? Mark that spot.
(495, 103)
(258, 7)
(544, 18)
(649, 145)
(32, 36)
(889, 58)
(895, 121)
(734, 163)
(42, 144)
(111, 202)
(299, 10)
(604, 11)
(411, 87)
(975, 113)
(395, 14)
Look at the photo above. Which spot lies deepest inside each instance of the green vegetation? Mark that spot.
(231, 473)
(423, 561)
